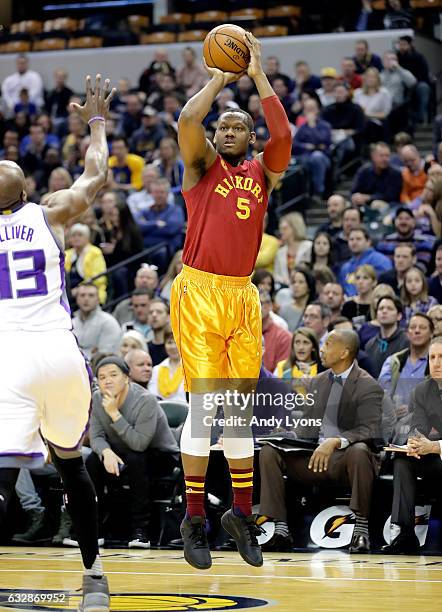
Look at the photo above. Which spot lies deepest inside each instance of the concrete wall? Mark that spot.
(116, 62)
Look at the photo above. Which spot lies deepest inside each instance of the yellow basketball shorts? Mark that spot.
(216, 322)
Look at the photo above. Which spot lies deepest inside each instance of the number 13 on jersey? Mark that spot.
(36, 272)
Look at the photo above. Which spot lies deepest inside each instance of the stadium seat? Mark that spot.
(65, 24)
(27, 27)
(176, 413)
(247, 13)
(17, 46)
(177, 18)
(157, 38)
(192, 35)
(426, 4)
(138, 22)
(85, 42)
(270, 30)
(284, 11)
(49, 44)
(215, 17)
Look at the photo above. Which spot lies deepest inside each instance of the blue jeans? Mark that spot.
(25, 488)
(422, 94)
(317, 163)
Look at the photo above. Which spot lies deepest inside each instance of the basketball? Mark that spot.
(225, 49)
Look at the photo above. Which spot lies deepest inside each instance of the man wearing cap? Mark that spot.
(326, 93)
(406, 232)
(128, 432)
(146, 139)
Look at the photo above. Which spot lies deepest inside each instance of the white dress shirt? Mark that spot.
(30, 80)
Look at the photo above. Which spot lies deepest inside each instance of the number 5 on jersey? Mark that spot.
(243, 212)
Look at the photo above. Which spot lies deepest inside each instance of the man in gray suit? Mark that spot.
(348, 402)
(424, 457)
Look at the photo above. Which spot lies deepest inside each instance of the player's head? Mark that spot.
(12, 184)
(234, 133)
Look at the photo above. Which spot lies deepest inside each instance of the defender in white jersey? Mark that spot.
(44, 380)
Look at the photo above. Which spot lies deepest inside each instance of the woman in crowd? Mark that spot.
(357, 309)
(376, 102)
(435, 283)
(132, 340)
(175, 267)
(429, 205)
(84, 261)
(322, 251)
(89, 218)
(296, 248)
(414, 293)
(58, 179)
(304, 361)
(302, 292)
(263, 279)
(167, 382)
(371, 328)
(322, 276)
(170, 165)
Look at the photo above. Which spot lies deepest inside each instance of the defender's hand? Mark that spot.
(226, 77)
(97, 100)
(255, 66)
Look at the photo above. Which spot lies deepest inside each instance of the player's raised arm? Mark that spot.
(197, 152)
(277, 150)
(67, 204)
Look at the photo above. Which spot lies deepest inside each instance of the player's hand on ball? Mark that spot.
(111, 462)
(227, 77)
(97, 99)
(255, 65)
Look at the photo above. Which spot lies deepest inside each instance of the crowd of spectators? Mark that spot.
(385, 285)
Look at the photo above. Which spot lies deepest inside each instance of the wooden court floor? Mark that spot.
(162, 581)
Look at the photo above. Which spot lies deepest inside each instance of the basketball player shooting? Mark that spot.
(215, 308)
(45, 383)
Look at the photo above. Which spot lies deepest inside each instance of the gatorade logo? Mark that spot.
(333, 527)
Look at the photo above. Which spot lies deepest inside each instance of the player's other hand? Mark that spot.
(227, 77)
(111, 461)
(98, 99)
(255, 66)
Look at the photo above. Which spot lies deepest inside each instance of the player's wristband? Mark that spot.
(96, 118)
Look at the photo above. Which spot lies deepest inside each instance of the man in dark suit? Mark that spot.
(424, 457)
(348, 403)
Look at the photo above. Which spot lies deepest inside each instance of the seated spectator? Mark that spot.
(33, 151)
(128, 430)
(140, 301)
(83, 261)
(377, 184)
(370, 329)
(429, 207)
(312, 143)
(435, 314)
(435, 282)
(23, 78)
(336, 205)
(162, 222)
(351, 217)
(414, 293)
(140, 367)
(323, 254)
(277, 340)
(158, 320)
(309, 103)
(397, 17)
(399, 83)
(76, 133)
(405, 226)
(357, 309)
(273, 71)
(244, 88)
(322, 275)
(58, 179)
(376, 102)
(57, 99)
(145, 278)
(268, 249)
(402, 371)
(326, 92)
(124, 241)
(95, 330)
(302, 292)
(130, 119)
(167, 382)
(145, 140)
(415, 62)
(350, 410)
(166, 84)
(364, 58)
(296, 248)
(142, 200)
(414, 176)
(89, 219)
(347, 121)
(391, 338)
(317, 318)
(362, 358)
(10, 138)
(169, 164)
(403, 259)
(304, 361)
(159, 65)
(132, 340)
(191, 77)
(25, 105)
(304, 79)
(399, 141)
(175, 267)
(263, 280)
(424, 443)
(332, 294)
(359, 242)
(349, 77)
(126, 167)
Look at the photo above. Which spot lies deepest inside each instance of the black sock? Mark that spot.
(8, 478)
(82, 504)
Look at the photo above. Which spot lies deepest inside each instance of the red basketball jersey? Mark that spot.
(225, 212)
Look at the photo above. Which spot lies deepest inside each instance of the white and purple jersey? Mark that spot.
(32, 281)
